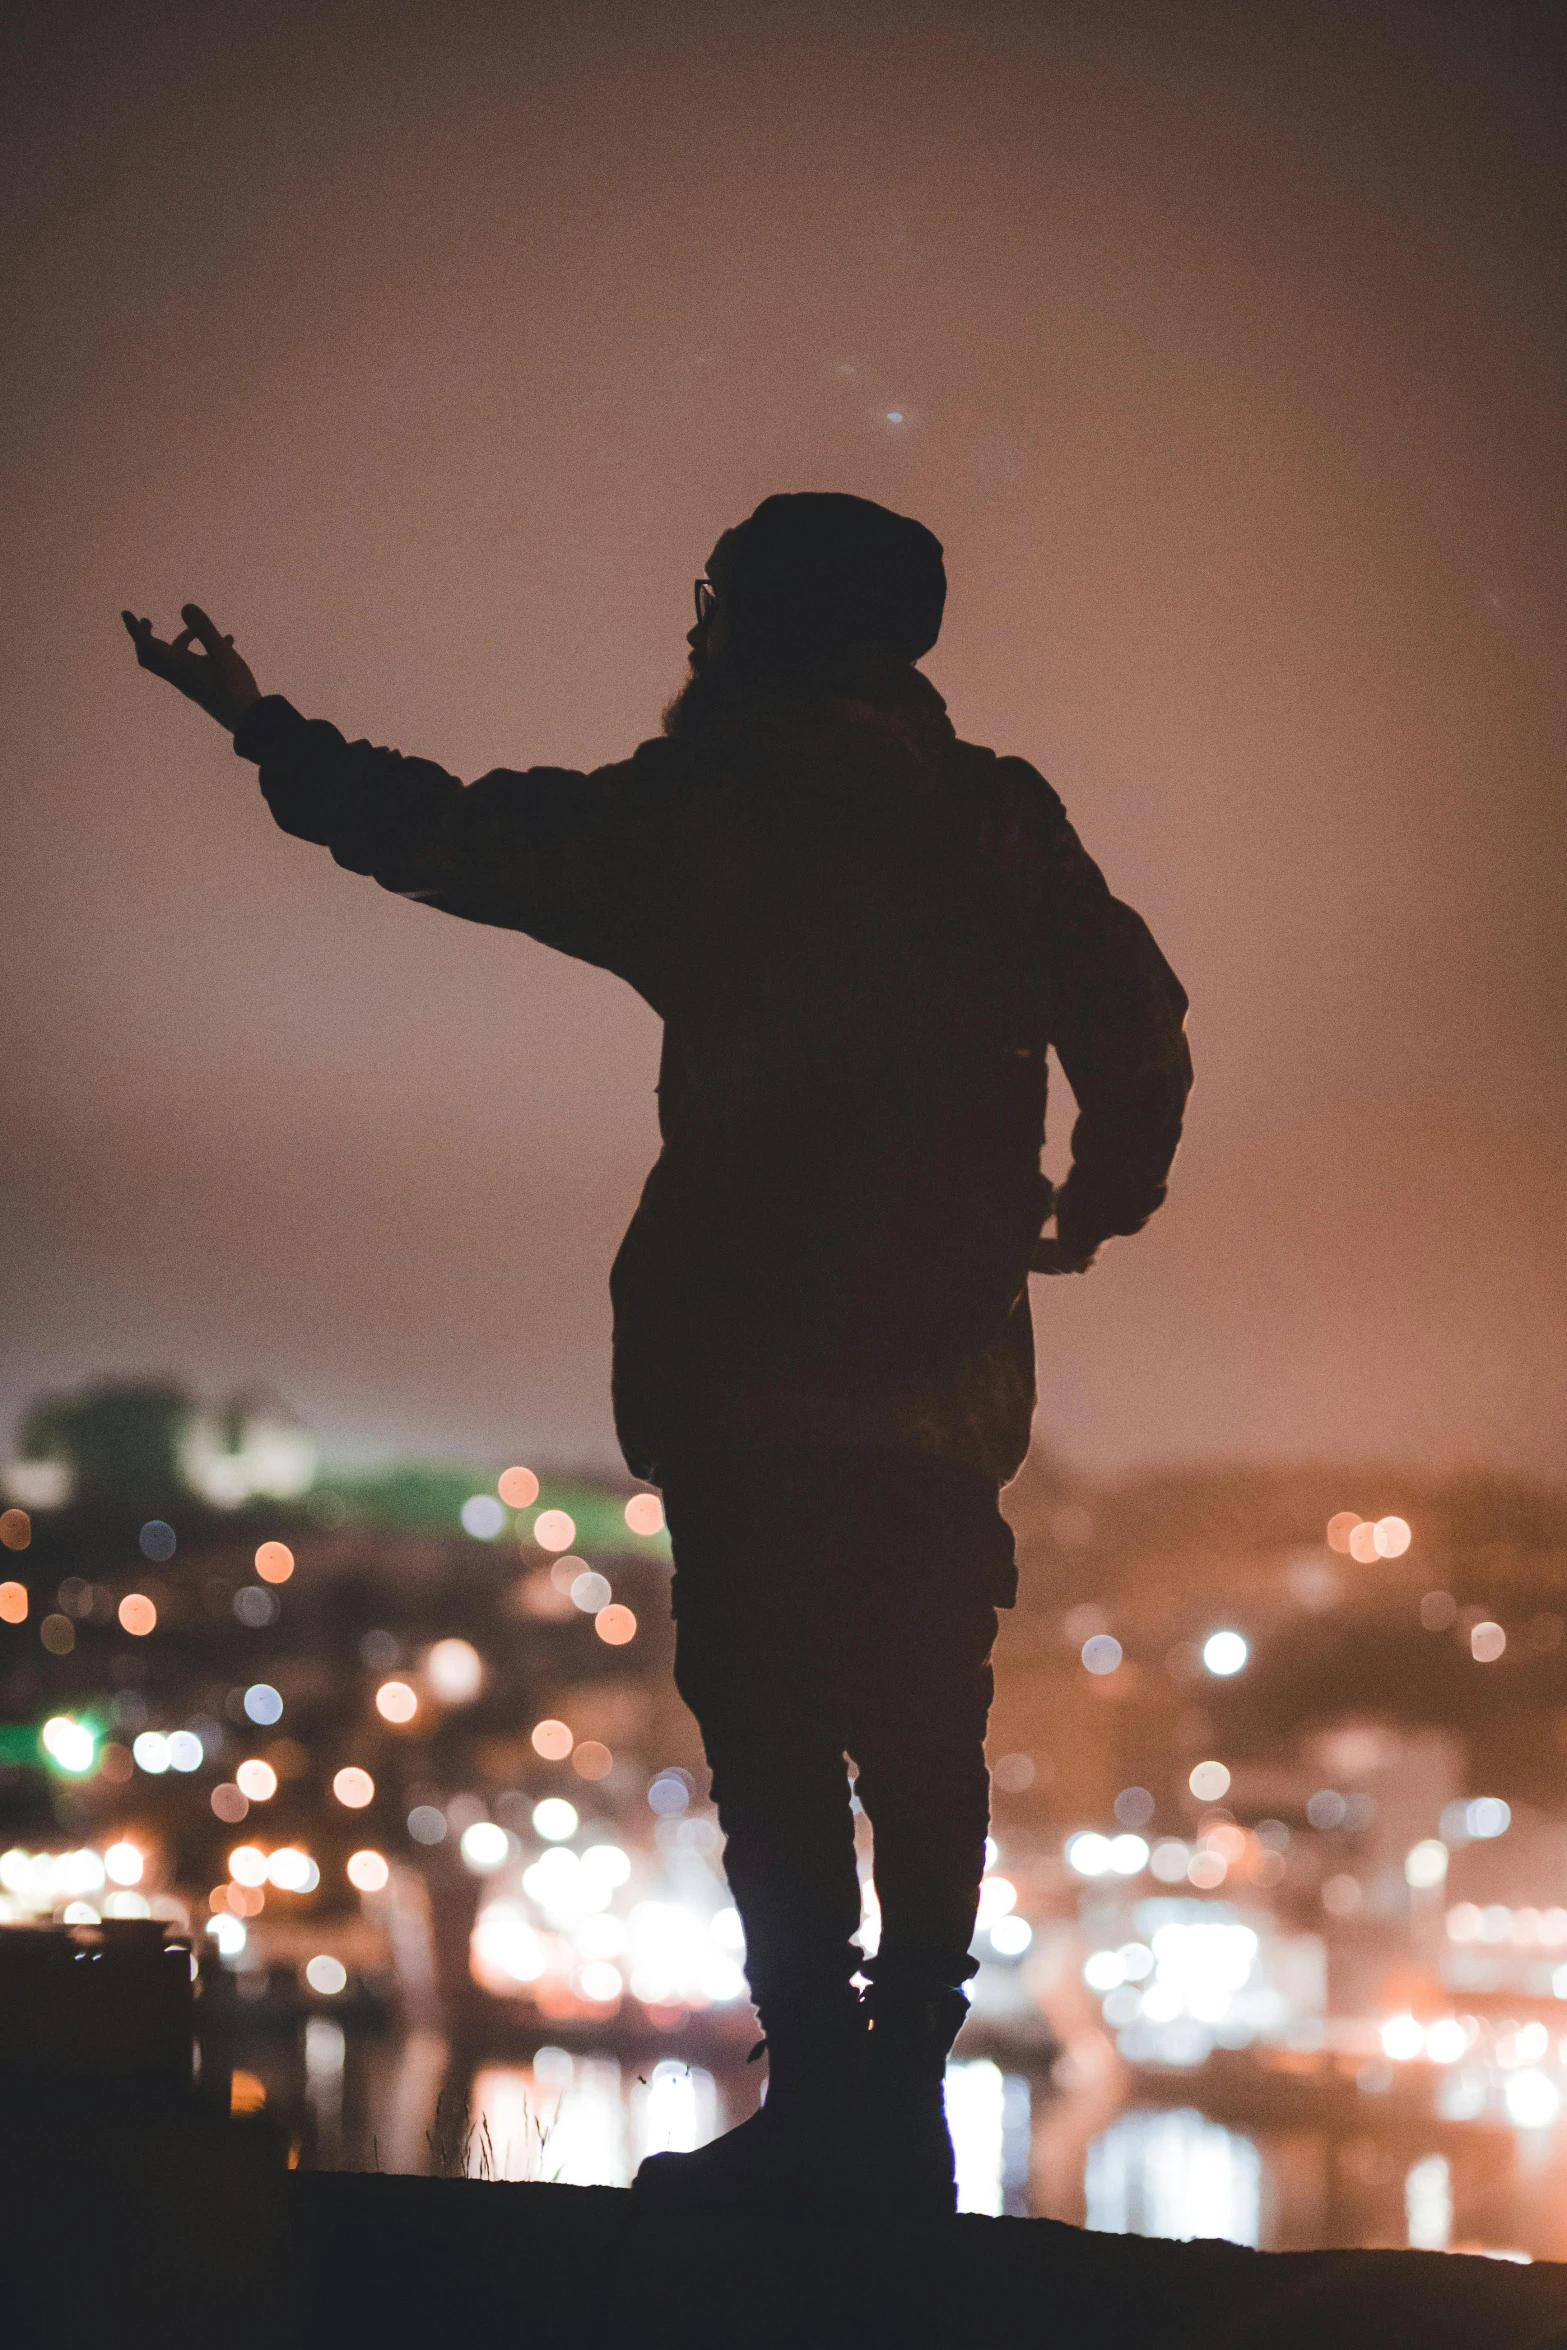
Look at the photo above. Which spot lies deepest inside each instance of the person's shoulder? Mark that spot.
(1016, 802)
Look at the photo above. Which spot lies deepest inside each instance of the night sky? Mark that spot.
(430, 347)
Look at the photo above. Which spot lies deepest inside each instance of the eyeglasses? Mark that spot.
(706, 598)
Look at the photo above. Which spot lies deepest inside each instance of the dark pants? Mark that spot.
(833, 1603)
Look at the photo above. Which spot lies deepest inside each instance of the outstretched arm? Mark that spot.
(215, 678)
(556, 854)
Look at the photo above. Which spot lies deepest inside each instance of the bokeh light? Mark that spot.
(592, 1760)
(352, 1787)
(291, 1870)
(262, 1704)
(326, 1974)
(396, 1702)
(555, 1819)
(645, 1514)
(13, 1603)
(1341, 1527)
(255, 1607)
(1425, 1864)
(124, 1863)
(552, 1740)
(590, 1591)
(1224, 1653)
(455, 1672)
(58, 1635)
(1486, 1643)
(248, 1865)
(1102, 1653)
(157, 1540)
(274, 1562)
(1363, 1544)
(137, 1614)
(518, 1488)
(427, 1825)
(71, 1745)
(16, 1529)
(1209, 1782)
(554, 1530)
(368, 1871)
(615, 1624)
(229, 1804)
(256, 1780)
(485, 1847)
(1392, 1537)
(482, 1516)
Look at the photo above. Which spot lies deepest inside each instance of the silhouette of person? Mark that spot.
(861, 935)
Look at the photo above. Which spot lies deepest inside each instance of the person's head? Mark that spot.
(815, 589)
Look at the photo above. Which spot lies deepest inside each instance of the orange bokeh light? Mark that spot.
(137, 1614)
(1341, 1527)
(518, 1488)
(1392, 1536)
(616, 1624)
(592, 1760)
(274, 1562)
(396, 1702)
(13, 1603)
(645, 1514)
(552, 1740)
(257, 1780)
(1363, 1544)
(367, 1871)
(16, 1529)
(354, 1787)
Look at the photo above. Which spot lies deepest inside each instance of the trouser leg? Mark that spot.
(749, 1661)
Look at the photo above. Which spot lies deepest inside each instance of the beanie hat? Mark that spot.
(812, 573)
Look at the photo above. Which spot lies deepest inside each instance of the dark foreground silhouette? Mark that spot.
(391, 2261)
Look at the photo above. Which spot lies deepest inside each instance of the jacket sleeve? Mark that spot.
(1117, 1017)
(547, 851)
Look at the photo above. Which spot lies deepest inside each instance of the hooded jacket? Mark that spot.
(861, 935)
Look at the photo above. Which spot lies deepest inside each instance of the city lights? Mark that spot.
(367, 1872)
(352, 1787)
(1224, 1653)
(1425, 1864)
(485, 1847)
(396, 1702)
(482, 1516)
(555, 1819)
(455, 1672)
(274, 1562)
(124, 1864)
(291, 1870)
(71, 1746)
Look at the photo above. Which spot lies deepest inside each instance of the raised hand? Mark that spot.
(215, 679)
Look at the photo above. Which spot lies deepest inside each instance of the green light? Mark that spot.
(69, 1746)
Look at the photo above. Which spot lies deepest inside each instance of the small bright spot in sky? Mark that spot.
(1224, 1653)
(895, 416)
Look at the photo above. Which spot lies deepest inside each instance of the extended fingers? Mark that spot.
(197, 625)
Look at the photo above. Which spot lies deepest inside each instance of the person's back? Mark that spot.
(862, 936)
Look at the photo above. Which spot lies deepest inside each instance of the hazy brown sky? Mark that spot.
(432, 346)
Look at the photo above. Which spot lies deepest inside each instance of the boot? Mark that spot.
(805, 2148)
(912, 2030)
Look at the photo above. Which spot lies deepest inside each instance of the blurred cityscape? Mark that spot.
(1273, 1936)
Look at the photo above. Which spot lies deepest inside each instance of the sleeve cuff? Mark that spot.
(264, 726)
